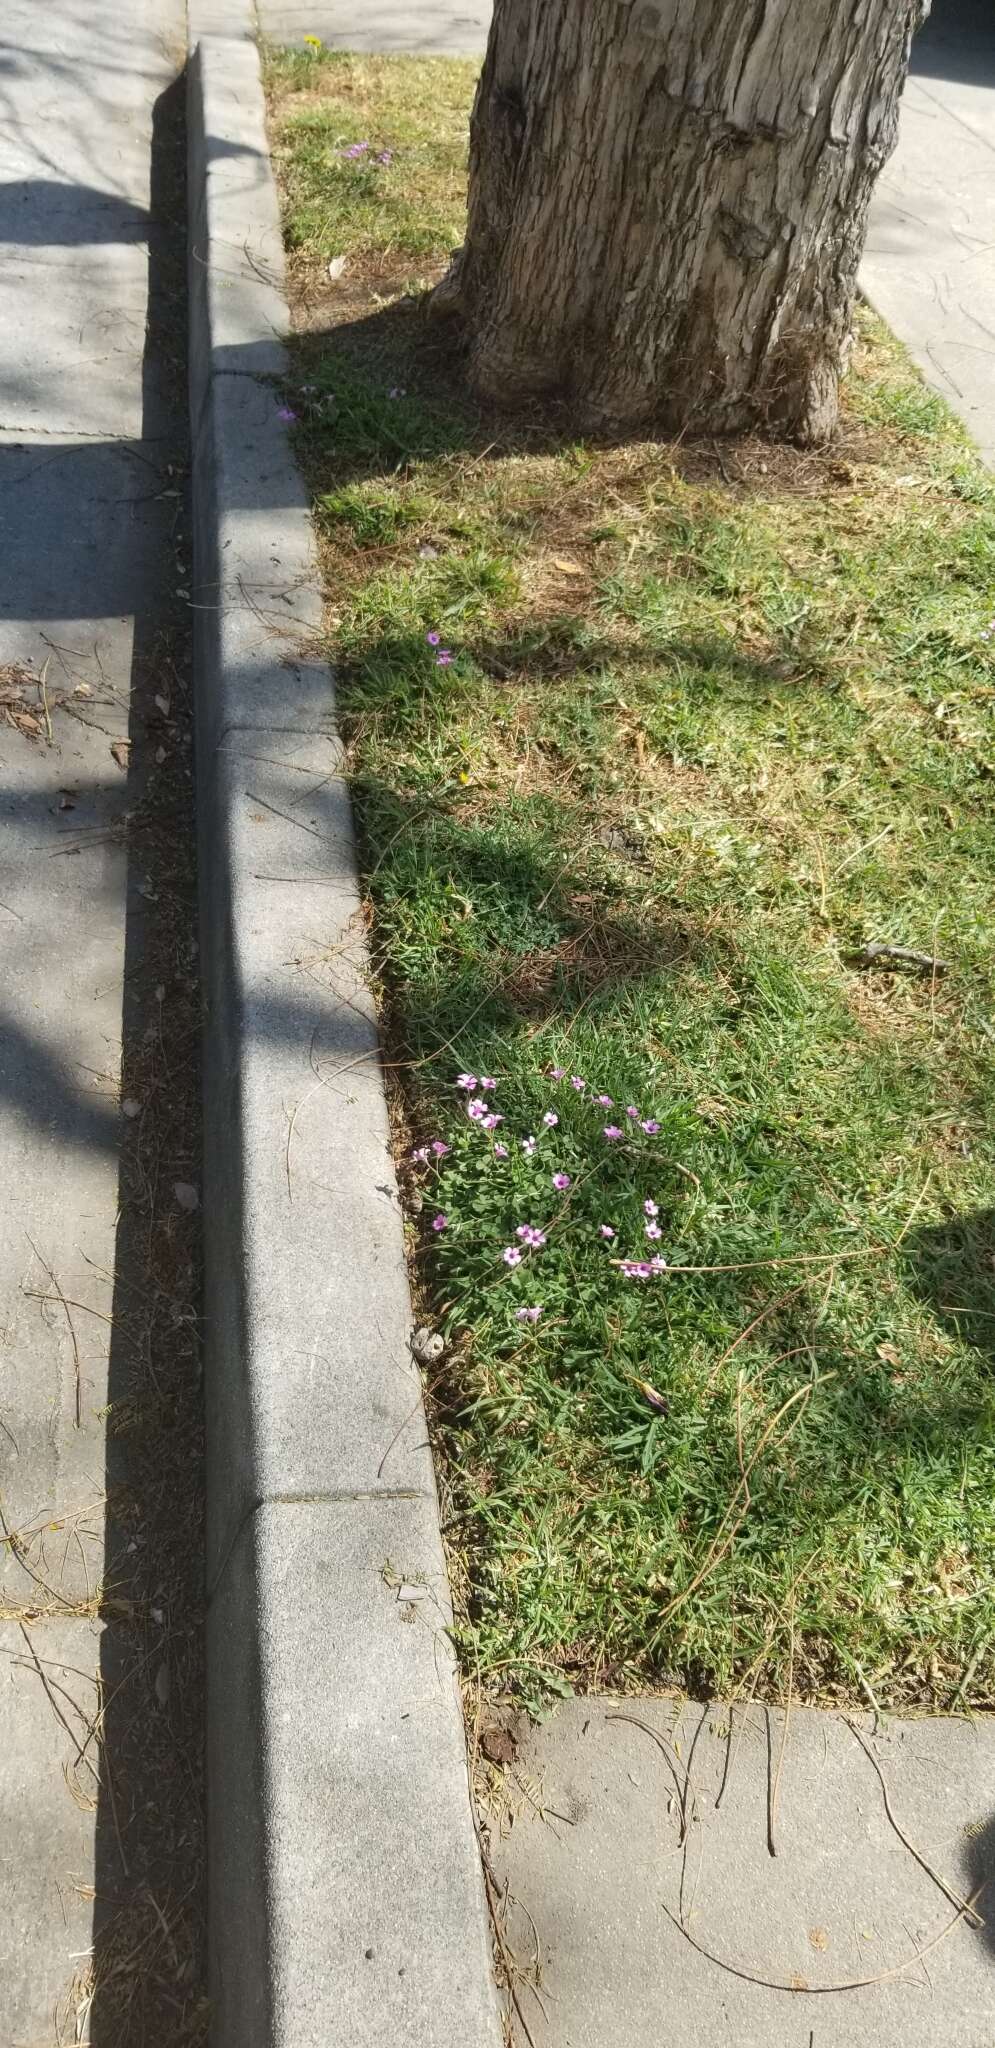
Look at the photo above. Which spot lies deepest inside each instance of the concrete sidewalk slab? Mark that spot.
(603, 1874)
(929, 262)
(447, 28)
(84, 564)
(47, 1916)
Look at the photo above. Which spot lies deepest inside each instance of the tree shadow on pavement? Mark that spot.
(148, 1970)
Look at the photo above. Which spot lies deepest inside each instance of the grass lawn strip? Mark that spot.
(714, 719)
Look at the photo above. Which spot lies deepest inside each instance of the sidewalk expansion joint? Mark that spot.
(346, 1496)
(72, 435)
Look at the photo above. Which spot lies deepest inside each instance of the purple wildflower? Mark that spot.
(386, 156)
(527, 1315)
(558, 1074)
(636, 1269)
(611, 1132)
(487, 1081)
(491, 1122)
(658, 1265)
(500, 1151)
(420, 1157)
(435, 640)
(287, 413)
(511, 1255)
(632, 1110)
(397, 391)
(550, 1119)
(576, 1082)
(440, 1222)
(650, 1126)
(439, 1148)
(443, 658)
(605, 1101)
(468, 1081)
(650, 1209)
(653, 1230)
(606, 1230)
(528, 1147)
(561, 1181)
(476, 1110)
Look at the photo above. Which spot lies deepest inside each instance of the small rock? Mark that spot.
(427, 1346)
(131, 1107)
(336, 268)
(162, 1684)
(186, 1195)
(162, 704)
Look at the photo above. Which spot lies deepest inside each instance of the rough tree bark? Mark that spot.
(668, 204)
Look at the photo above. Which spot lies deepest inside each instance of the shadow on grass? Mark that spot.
(954, 1269)
(388, 388)
(502, 914)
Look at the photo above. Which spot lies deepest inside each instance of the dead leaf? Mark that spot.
(162, 704)
(566, 567)
(121, 750)
(499, 1745)
(336, 268)
(162, 1684)
(650, 1394)
(888, 1354)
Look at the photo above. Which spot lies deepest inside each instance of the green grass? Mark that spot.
(412, 111)
(713, 722)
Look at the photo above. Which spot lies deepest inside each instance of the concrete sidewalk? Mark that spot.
(715, 1941)
(86, 576)
(441, 28)
(929, 262)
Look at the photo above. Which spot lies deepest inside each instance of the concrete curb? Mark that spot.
(346, 1900)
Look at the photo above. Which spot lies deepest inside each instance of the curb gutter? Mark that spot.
(346, 1899)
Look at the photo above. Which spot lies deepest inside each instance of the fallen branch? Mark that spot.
(775, 1783)
(877, 954)
(823, 1990)
(964, 1905)
(72, 1331)
(727, 1534)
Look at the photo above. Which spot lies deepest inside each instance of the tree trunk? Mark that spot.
(668, 204)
